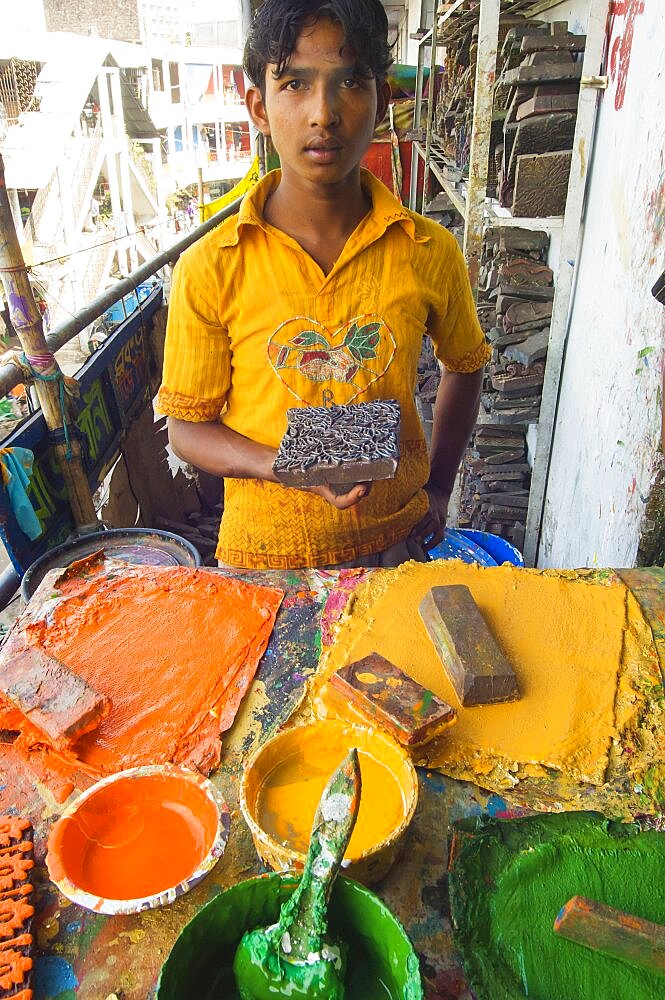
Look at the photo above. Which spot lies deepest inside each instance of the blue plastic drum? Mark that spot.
(479, 547)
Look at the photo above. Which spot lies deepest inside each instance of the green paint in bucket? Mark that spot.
(382, 964)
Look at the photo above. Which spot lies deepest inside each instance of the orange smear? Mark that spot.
(175, 651)
(134, 838)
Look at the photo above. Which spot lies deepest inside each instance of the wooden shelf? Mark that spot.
(436, 163)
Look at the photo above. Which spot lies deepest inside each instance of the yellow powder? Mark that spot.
(563, 634)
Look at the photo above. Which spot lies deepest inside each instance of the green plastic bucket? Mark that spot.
(382, 964)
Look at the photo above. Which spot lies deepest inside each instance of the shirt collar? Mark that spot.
(386, 210)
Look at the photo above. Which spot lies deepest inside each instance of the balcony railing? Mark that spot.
(114, 388)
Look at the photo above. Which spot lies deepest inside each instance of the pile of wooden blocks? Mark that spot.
(537, 95)
(515, 301)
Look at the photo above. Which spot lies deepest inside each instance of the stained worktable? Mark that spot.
(84, 956)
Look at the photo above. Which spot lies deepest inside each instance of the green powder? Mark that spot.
(510, 878)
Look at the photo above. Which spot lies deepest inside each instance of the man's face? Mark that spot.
(321, 113)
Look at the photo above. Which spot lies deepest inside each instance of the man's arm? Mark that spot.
(455, 413)
(223, 452)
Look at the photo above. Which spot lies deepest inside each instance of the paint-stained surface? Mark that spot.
(606, 444)
(88, 957)
(173, 651)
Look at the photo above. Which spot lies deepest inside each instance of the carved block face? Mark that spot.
(341, 445)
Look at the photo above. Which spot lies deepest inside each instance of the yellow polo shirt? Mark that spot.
(255, 327)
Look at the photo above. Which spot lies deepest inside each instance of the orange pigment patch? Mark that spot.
(173, 649)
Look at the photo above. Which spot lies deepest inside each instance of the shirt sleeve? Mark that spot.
(459, 342)
(197, 353)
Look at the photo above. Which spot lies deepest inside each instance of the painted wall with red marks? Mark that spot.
(606, 444)
(623, 14)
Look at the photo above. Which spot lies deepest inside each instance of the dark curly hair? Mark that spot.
(277, 24)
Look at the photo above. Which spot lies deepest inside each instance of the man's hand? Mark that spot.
(429, 531)
(343, 501)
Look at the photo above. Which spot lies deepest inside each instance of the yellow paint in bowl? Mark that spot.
(283, 782)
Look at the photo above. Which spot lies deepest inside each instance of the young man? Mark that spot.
(319, 291)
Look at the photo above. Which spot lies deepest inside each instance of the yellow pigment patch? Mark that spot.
(563, 634)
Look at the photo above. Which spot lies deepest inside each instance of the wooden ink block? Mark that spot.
(53, 698)
(547, 104)
(339, 445)
(615, 933)
(521, 313)
(521, 271)
(541, 134)
(475, 664)
(385, 696)
(532, 349)
(566, 42)
(539, 293)
(552, 72)
(541, 184)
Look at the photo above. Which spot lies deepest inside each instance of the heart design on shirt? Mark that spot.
(344, 363)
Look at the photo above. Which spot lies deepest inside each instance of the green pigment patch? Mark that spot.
(510, 878)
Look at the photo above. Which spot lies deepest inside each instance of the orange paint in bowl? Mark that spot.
(138, 839)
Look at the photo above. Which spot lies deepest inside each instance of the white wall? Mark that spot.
(573, 11)
(606, 443)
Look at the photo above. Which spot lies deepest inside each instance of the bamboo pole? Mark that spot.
(27, 321)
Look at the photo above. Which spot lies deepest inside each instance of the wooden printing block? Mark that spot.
(532, 349)
(500, 402)
(517, 418)
(522, 313)
(552, 72)
(475, 664)
(53, 698)
(508, 393)
(506, 382)
(513, 470)
(541, 134)
(505, 457)
(501, 513)
(489, 430)
(540, 293)
(385, 696)
(564, 42)
(547, 104)
(510, 338)
(508, 499)
(522, 271)
(541, 184)
(613, 933)
(16, 909)
(339, 445)
(525, 240)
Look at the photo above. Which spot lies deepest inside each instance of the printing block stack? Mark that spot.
(537, 91)
(515, 300)
(454, 111)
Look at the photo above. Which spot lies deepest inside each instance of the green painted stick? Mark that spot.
(295, 957)
(614, 933)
